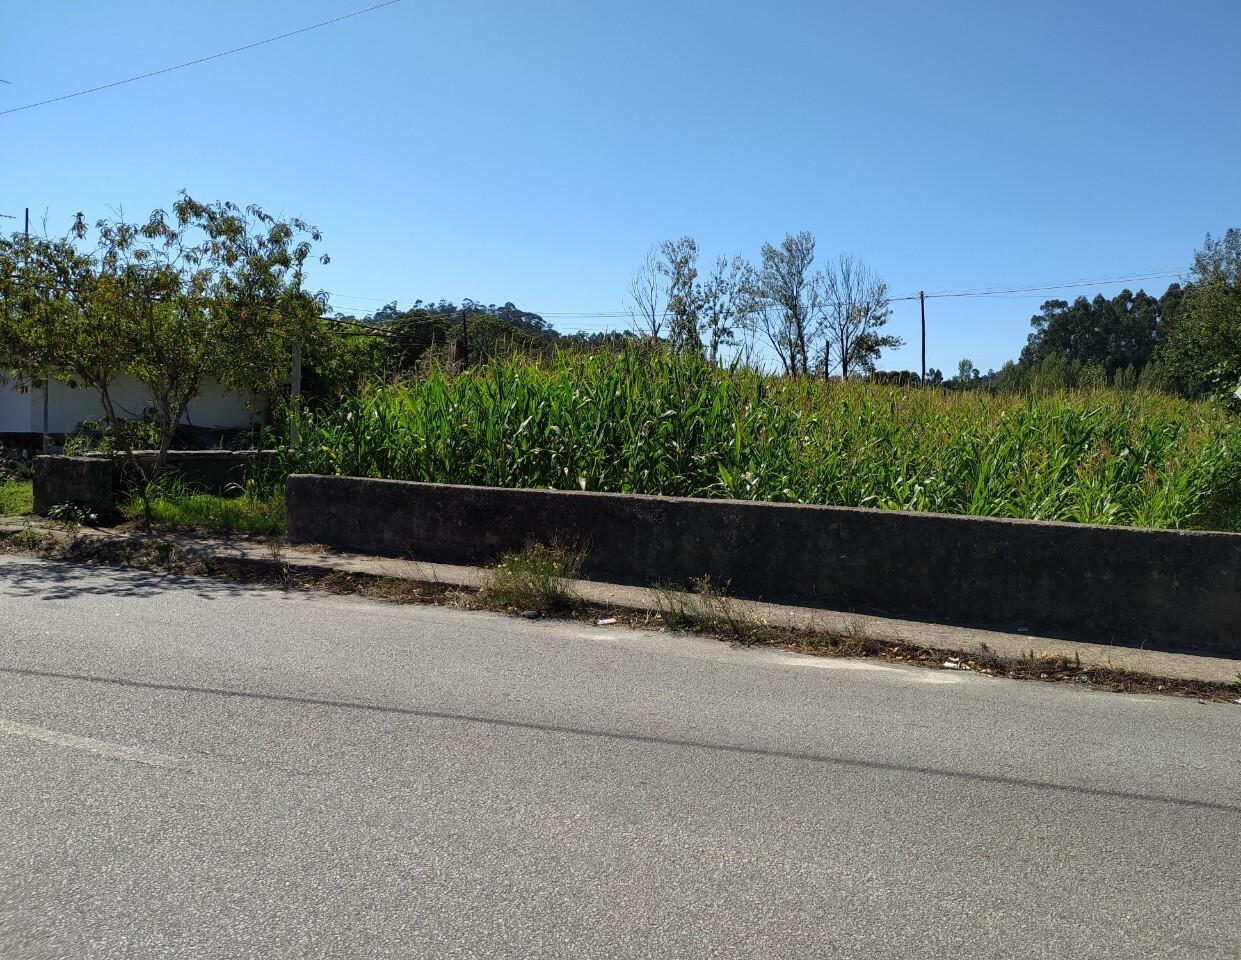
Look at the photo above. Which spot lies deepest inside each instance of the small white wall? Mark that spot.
(68, 407)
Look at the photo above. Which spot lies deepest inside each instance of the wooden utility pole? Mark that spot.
(465, 340)
(922, 302)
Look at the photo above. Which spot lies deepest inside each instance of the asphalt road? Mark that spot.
(196, 769)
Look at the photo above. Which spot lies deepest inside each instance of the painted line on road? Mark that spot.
(908, 673)
(100, 748)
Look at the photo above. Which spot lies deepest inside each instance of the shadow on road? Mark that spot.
(56, 580)
(845, 763)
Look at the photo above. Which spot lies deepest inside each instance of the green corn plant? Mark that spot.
(674, 424)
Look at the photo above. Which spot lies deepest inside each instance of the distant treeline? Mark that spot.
(1186, 341)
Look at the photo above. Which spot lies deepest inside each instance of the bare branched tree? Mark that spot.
(855, 309)
(648, 310)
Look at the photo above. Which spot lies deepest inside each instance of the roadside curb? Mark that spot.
(310, 559)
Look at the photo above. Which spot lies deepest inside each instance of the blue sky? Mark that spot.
(534, 151)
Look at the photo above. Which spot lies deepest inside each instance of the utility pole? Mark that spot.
(827, 366)
(922, 302)
(465, 340)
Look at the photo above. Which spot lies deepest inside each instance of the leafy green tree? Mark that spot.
(56, 310)
(1011, 378)
(901, 378)
(208, 291)
(1203, 350)
(685, 297)
(723, 303)
(1121, 332)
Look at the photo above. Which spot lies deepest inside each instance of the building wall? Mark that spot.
(68, 407)
(15, 409)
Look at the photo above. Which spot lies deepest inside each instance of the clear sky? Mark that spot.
(509, 150)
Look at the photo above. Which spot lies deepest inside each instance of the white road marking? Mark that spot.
(100, 748)
(913, 674)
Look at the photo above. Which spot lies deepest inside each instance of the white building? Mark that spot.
(21, 412)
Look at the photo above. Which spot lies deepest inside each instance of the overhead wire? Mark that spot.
(194, 63)
(982, 292)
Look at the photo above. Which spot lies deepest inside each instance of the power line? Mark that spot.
(999, 292)
(1068, 284)
(192, 63)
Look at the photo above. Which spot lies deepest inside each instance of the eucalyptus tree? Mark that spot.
(783, 303)
(684, 294)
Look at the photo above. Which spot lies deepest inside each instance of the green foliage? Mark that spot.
(255, 508)
(16, 498)
(95, 436)
(1111, 333)
(206, 291)
(338, 362)
(666, 423)
(72, 515)
(1203, 352)
(686, 297)
(536, 579)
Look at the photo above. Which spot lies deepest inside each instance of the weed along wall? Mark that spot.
(93, 480)
(1178, 590)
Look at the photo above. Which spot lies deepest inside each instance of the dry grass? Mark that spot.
(708, 609)
(536, 579)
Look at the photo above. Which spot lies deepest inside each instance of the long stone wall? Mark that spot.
(1173, 589)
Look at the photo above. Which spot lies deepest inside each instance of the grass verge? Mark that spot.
(16, 498)
(254, 509)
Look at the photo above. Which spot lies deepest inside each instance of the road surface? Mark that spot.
(191, 768)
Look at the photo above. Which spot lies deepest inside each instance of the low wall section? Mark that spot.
(1178, 590)
(94, 479)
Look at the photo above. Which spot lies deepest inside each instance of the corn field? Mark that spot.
(676, 425)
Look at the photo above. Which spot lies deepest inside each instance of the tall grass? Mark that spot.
(676, 425)
(16, 497)
(255, 508)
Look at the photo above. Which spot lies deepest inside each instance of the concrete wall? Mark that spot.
(215, 407)
(1178, 590)
(88, 481)
(211, 470)
(94, 479)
